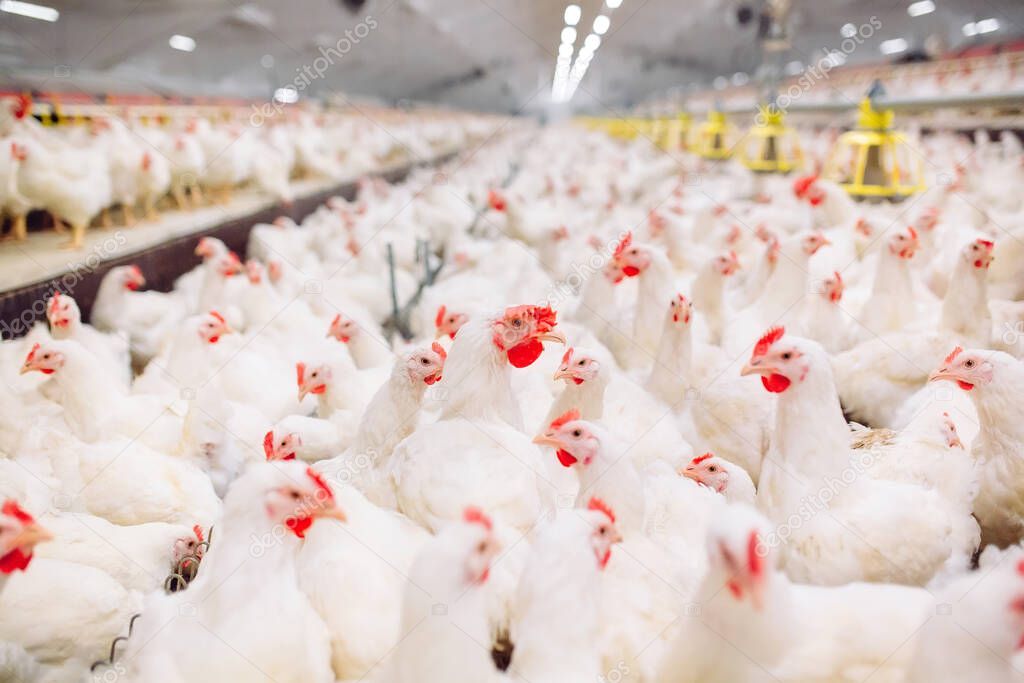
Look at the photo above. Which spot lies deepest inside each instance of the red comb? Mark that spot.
(337, 319)
(300, 372)
(1020, 567)
(439, 350)
(268, 444)
(496, 200)
(12, 509)
(320, 483)
(839, 278)
(773, 335)
(754, 560)
(198, 531)
(439, 318)
(601, 506)
(474, 515)
(953, 354)
(913, 233)
(623, 244)
(567, 356)
(54, 301)
(801, 185)
(567, 416)
(32, 353)
(701, 458)
(988, 244)
(218, 316)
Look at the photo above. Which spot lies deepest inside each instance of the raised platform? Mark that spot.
(30, 271)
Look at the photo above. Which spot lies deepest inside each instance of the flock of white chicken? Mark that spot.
(660, 421)
(78, 173)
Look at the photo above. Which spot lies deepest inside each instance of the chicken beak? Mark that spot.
(332, 512)
(26, 368)
(30, 536)
(691, 474)
(546, 440)
(554, 336)
(942, 374)
(562, 374)
(438, 333)
(751, 369)
(303, 392)
(616, 536)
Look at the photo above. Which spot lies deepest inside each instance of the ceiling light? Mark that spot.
(601, 24)
(919, 9)
(894, 46)
(267, 61)
(30, 10)
(572, 15)
(568, 35)
(848, 31)
(286, 95)
(592, 42)
(183, 43)
(565, 50)
(740, 78)
(835, 58)
(987, 25)
(613, 4)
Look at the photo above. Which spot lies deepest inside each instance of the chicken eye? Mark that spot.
(582, 363)
(313, 374)
(712, 469)
(969, 364)
(424, 361)
(295, 495)
(282, 443)
(481, 547)
(576, 432)
(787, 355)
(603, 531)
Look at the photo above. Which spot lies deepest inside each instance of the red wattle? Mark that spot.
(16, 560)
(524, 354)
(630, 271)
(566, 458)
(775, 383)
(966, 386)
(577, 380)
(299, 525)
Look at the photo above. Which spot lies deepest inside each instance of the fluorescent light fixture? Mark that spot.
(30, 10)
(987, 25)
(286, 95)
(572, 15)
(613, 4)
(565, 50)
(592, 42)
(601, 24)
(848, 31)
(894, 46)
(568, 35)
(740, 78)
(919, 9)
(970, 29)
(793, 68)
(183, 43)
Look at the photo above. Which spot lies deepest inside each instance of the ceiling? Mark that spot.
(494, 55)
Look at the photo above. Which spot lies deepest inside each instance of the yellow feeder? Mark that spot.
(770, 146)
(713, 138)
(672, 132)
(873, 161)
